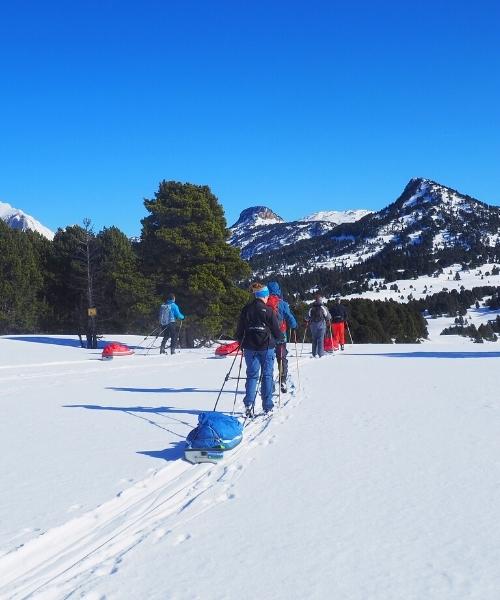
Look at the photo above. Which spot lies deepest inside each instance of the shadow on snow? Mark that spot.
(166, 412)
(175, 452)
(43, 339)
(433, 354)
(158, 410)
(166, 390)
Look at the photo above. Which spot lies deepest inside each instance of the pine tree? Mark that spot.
(20, 281)
(184, 250)
(72, 266)
(124, 296)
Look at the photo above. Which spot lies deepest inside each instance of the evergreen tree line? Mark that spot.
(455, 303)
(485, 331)
(49, 286)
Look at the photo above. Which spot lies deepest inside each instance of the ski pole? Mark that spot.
(139, 345)
(179, 335)
(349, 331)
(297, 357)
(226, 379)
(237, 381)
(149, 348)
(304, 339)
(279, 378)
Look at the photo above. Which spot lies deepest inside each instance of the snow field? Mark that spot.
(379, 479)
(426, 286)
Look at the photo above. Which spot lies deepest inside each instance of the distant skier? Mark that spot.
(339, 318)
(318, 319)
(169, 313)
(257, 332)
(285, 318)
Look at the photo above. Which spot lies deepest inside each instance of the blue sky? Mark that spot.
(301, 106)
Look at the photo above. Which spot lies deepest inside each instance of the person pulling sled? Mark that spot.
(257, 332)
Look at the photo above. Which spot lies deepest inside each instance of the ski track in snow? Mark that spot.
(76, 555)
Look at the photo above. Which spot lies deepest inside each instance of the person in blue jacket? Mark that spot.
(169, 314)
(286, 319)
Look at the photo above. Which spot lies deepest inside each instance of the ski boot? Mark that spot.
(249, 412)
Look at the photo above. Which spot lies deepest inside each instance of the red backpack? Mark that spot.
(274, 301)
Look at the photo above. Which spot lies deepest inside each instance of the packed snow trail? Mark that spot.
(67, 557)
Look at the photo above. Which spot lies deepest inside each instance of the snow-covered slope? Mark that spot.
(384, 486)
(17, 219)
(452, 278)
(338, 216)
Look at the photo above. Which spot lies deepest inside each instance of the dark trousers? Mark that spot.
(282, 361)
(170, 331)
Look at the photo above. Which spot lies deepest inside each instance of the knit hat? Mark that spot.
(259, 290)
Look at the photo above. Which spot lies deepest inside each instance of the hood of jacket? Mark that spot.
(274, 288)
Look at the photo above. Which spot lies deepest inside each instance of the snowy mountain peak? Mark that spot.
(256, 216)
(17, 219)
(426, 194)
(338, 216)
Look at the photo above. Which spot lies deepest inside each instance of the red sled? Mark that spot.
(116, 349)
(227, 349)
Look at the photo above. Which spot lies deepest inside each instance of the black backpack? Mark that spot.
(317, 314)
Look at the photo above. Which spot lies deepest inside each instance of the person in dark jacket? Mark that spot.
(339, 318)
(169, 313)
(257, 332)
(286, 318)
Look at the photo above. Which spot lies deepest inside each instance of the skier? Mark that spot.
(169, 313)
(285, 318)
(318, 319)
(257, 332)
(339, 318)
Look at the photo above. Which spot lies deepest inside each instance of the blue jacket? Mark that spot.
(284, 311)
(169, 313)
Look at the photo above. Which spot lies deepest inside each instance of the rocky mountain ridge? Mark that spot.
(260, 230)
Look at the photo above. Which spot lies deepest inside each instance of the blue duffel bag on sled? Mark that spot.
(215, 433)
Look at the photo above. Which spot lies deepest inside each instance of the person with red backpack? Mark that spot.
(286, 318)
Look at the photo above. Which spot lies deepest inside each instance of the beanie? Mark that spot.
(259, 290)
(263, 293)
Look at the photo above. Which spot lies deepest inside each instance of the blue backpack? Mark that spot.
(215, 431)
(166, 314)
